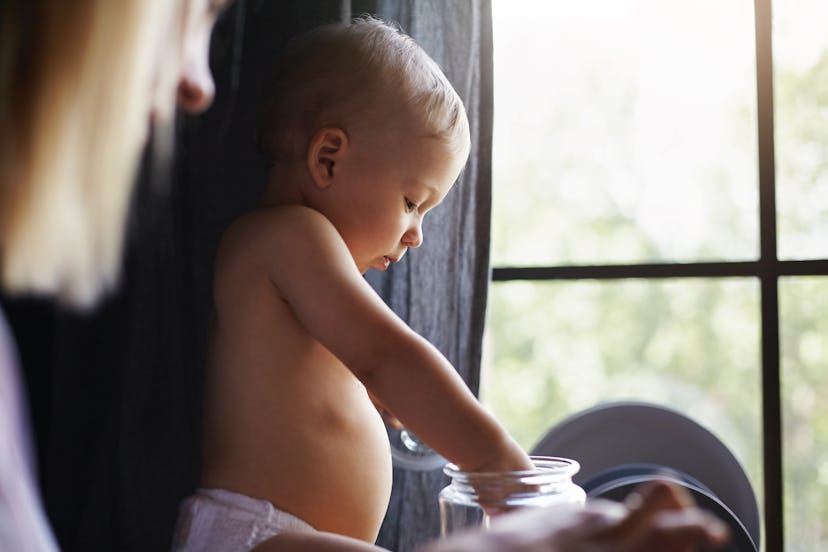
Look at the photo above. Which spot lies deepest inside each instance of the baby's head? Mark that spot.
(366, 77)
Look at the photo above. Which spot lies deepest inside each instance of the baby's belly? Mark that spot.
(342, 477)
(362, 466)
(310, 442)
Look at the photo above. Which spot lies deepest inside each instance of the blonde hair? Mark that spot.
(357, 76)
(76, 81)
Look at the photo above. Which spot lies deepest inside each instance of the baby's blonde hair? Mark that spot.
(76, 81)
(361, 76)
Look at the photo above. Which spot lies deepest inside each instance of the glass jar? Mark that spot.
(549, 484)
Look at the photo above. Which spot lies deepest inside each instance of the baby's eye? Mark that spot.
(409, 205)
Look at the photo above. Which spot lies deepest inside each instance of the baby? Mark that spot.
(365, 135)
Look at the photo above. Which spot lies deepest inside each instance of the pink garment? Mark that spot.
(216, 520)
(23, 523)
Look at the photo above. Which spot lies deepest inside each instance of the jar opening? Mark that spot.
(546, 467)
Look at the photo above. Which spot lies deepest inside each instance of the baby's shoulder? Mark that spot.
(275, 232)
(286, 217)
(272, 226)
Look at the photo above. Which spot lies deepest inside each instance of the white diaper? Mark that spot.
(219, 520)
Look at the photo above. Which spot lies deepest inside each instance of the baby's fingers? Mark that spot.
(504, 495)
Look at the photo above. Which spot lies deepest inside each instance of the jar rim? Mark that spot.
(544, 465)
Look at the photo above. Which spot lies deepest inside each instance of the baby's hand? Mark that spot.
(508, 456)
(501, 483)
(500, 493)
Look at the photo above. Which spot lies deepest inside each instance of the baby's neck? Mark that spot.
(284, 185)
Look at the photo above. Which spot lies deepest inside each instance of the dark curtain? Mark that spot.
(116, 394)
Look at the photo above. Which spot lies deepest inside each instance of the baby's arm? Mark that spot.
(314, 272)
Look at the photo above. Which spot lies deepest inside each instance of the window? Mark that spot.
(659, 228)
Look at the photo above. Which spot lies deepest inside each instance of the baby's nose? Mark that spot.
(414, 236)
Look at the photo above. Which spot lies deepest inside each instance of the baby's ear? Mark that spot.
(327, 148)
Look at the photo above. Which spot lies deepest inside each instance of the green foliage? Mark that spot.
(804, 350)
(557, 348)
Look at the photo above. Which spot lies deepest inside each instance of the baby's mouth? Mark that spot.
(388, 260)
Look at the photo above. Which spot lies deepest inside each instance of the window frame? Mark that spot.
(768, 269)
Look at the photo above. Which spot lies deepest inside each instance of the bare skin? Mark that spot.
(661, 516)
(299, 339)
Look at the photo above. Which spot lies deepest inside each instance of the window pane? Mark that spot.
(625, 131)
(555, 348)
(800, 69)
(804, 348)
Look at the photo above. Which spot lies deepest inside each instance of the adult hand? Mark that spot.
(660, 517)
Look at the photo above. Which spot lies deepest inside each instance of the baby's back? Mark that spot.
(285, 420)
